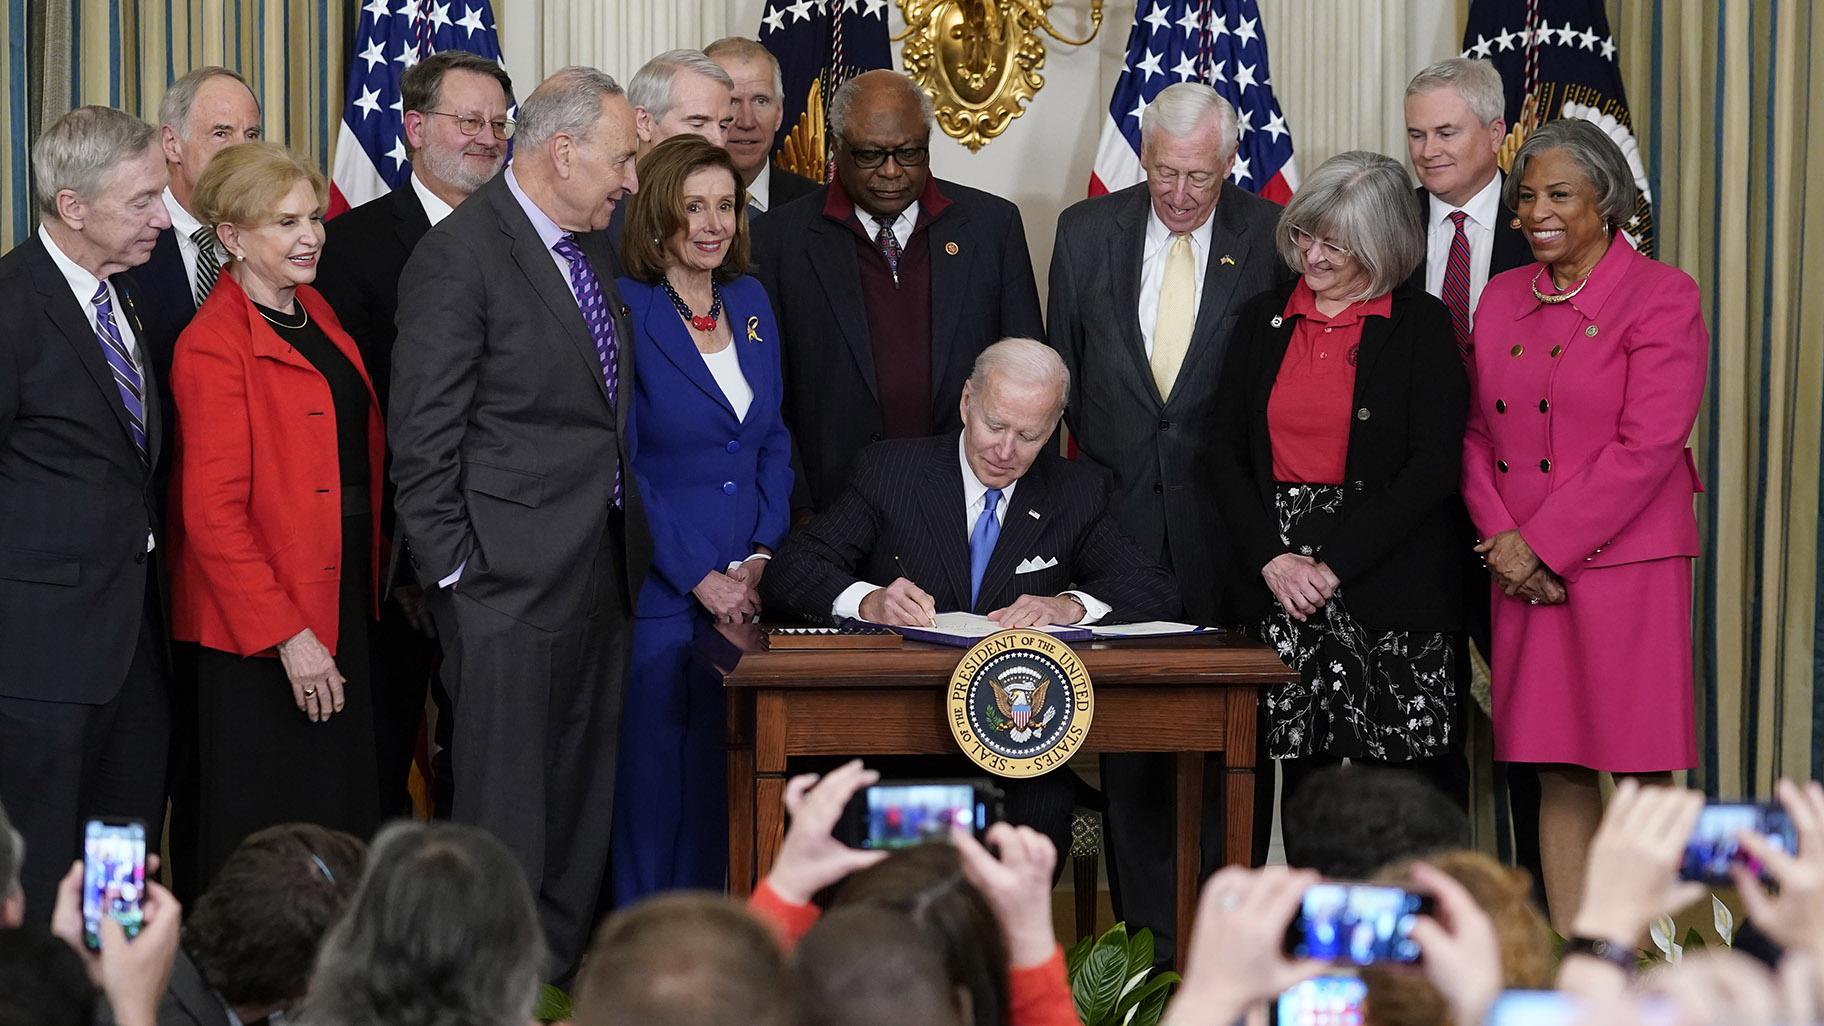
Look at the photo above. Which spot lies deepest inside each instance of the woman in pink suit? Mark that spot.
(1586, 377)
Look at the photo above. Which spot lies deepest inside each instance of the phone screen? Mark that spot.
(1356, 924)
(903, 815)
(1322, 1001)
(1713, 847)
(113, 876)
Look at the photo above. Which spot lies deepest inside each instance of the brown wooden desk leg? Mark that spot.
(1238, 778)
(740, 821)
(769, 780)
(1188, 846)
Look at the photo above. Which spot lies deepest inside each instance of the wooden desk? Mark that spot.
(1191, 696)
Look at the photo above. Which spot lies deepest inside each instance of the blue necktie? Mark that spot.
(126, 373)
(594, 304)
(981, 543)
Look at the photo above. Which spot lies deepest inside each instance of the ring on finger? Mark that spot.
(310, 692)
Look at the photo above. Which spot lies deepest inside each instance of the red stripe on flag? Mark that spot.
(1096, 188)
(337, 204)
(1278, 190)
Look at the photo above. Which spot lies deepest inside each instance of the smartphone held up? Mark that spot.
(900, 814)
(113, 877)
(1357, 924)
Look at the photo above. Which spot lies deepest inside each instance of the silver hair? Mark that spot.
(745, 49)
(570, 101)
(843, 103)
(1023, 360)
(1182, 108)
(12, 856)
(1363, 202)
(650, 87)
(82, 149)
(180, 96)
(1476, 81)
(1594, 153)
(440, 902)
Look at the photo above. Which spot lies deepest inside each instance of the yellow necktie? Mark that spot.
(1177, 312)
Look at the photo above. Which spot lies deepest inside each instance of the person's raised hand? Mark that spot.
(1716, 987)
(1038, 611)
(1459, 952)
(1017, 885)
(900, 604)
(1794, 917)
(1298, 583)
(1236, 955)
(1631, 877)
(811, 857)
(134, 973)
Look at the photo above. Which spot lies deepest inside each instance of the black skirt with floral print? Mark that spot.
(1362, 692)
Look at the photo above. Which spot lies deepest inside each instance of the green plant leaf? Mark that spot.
(553, 1005)
(1135, 996)
(1694, 941)
(1096, 986)
(1139, 953)
(1151, 1008)
(1074, 957)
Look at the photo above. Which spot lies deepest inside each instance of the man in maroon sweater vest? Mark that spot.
(886, 283)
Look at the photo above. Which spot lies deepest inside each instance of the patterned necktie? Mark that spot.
(208, 264)
(981, 543)
(888, 243)
(125, 370)
(1456, 284)
(1177, 312)
(594, 304)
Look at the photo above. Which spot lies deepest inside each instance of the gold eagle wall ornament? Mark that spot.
(979, 60)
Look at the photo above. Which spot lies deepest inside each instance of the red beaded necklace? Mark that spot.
(704, 323)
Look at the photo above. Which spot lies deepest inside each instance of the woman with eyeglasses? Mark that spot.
(1342, 401)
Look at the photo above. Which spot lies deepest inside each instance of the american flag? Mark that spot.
(1218, 42)
(820, 44)
(394, 35)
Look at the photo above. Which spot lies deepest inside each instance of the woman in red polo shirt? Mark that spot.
(1342, 403)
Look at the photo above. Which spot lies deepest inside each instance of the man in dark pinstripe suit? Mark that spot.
(987, 521)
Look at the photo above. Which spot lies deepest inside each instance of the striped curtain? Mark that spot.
(1735, 142)
(60, 54)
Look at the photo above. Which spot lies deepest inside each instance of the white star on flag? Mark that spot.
(1158, 18)
(1186, 68)
(774, 19)
(439, 16)
(801, 11)
(1481, 47)
(1276, 126)
(1150, 65)
(397, 153)
(471, 22)
(369, 101)
(1189, 21)
(1240, 171)
(374, 54)
(1244, 76)
(1245, 32)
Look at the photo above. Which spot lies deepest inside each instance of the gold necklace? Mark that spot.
(1560, 297)
(302, 313)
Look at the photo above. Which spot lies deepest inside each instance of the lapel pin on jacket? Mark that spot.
(1277, 321)
(1033, 513)
(1228, 260)
(952, 248)
(753, 330)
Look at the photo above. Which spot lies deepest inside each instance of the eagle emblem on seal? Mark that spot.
(1017, 694)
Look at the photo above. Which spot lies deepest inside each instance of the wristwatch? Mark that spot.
(1621, 956)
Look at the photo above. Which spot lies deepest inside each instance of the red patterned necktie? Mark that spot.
(1456, 284)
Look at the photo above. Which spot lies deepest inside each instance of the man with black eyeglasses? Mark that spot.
(886, 286)
(456, 132)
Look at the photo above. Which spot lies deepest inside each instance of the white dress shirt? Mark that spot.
(975, 497)
(760, 190)
(84, 284)
(1152, 269)
(1483, 209)
(184, 225)
(902, 225)
(434, 207)
(725, 367)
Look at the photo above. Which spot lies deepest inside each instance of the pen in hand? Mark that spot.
(902, 572)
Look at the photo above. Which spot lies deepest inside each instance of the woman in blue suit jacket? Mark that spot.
(713, 461)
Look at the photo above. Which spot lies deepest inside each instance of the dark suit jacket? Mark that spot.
(189, 1000)
(166, 301)
(982, 291)
(715, 488)
(786, 187)
(504, 437)
(1394, 542)
(902, 516)
(76, 501)
(1511, 248)
(364, 252)
(1155, 450)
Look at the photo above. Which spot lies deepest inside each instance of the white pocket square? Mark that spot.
(1033, 563)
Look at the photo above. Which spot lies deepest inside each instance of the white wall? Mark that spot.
(1339, 70)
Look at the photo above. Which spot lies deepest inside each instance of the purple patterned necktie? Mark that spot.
(126, 373)
(888, 243)
(594, 303)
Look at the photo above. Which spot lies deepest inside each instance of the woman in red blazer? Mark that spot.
(1588, 373)
(274, 529)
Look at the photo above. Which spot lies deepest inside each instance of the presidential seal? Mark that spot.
(1020, 703)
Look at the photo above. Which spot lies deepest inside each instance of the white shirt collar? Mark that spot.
(974, 490)
(1158, 236)
(434, 207)
(1483, 208)
(81, 281)
(182, 220)
(760, 191)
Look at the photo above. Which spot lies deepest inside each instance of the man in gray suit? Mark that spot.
(1145, 284)
(512, 377)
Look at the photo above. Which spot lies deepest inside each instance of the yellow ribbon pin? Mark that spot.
(753, 330)
(1227, 259)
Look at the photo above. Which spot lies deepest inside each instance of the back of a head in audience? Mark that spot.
(1346, 822)
(684, 959)
(926, 885)
(42, 981)
(872, 964)
(1397, 998)
(441, 930)
(255, 932)
(12, 858)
